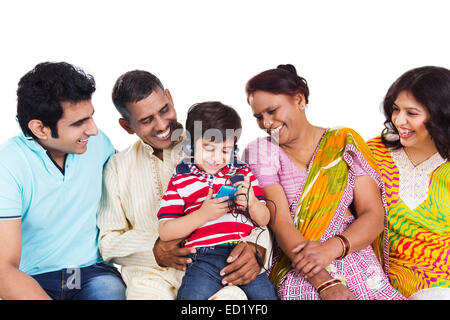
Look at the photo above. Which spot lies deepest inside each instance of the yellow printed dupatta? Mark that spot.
(324, 188)
(419, 239)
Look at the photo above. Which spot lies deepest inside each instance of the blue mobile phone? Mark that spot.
(227, 191)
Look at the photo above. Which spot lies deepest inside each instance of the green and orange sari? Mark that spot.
(320, 214)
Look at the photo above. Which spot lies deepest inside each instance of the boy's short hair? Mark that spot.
(214, 121)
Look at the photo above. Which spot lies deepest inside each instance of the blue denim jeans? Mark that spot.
(202, 278)
(99, 281)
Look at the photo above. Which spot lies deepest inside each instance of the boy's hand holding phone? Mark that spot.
(257, 209)
(214, 208)
(243, 192)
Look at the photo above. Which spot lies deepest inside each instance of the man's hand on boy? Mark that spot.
(171, 254)
(243, 267)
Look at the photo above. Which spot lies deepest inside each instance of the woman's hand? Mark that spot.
(338, 292)
(312, 256)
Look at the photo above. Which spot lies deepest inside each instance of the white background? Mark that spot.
(349, 51)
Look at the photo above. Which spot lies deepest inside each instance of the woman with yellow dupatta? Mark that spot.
(412, 154)
(324, 193)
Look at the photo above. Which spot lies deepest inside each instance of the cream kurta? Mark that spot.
(134, 181)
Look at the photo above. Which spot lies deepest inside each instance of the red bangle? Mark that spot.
(328, 284)
(345, 244)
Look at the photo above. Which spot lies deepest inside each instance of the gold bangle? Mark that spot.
(328, 284)
(343, 247)
(346, 243)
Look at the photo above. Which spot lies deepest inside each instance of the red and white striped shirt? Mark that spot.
(186, 192)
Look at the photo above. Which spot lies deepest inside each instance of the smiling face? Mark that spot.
(279, 114)
(74, 129)
(409, 118)
(211, 157)
(153, 119)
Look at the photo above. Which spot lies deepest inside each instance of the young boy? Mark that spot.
(212, 225)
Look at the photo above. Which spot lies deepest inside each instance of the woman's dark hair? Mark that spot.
(282, 80)
(41, 91)
(218, 121)
(430, 86)
(133, 86)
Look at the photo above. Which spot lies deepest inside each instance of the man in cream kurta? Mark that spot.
(134, 181)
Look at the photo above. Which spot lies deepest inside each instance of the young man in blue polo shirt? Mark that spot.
(50, 187)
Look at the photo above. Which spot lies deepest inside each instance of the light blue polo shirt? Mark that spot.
(58, 212)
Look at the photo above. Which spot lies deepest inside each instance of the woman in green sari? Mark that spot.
(314, 176)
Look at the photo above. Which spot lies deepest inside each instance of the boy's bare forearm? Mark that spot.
(259, 213)
(181, 227)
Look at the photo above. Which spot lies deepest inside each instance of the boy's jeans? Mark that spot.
(202, 278)
(96, 282)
